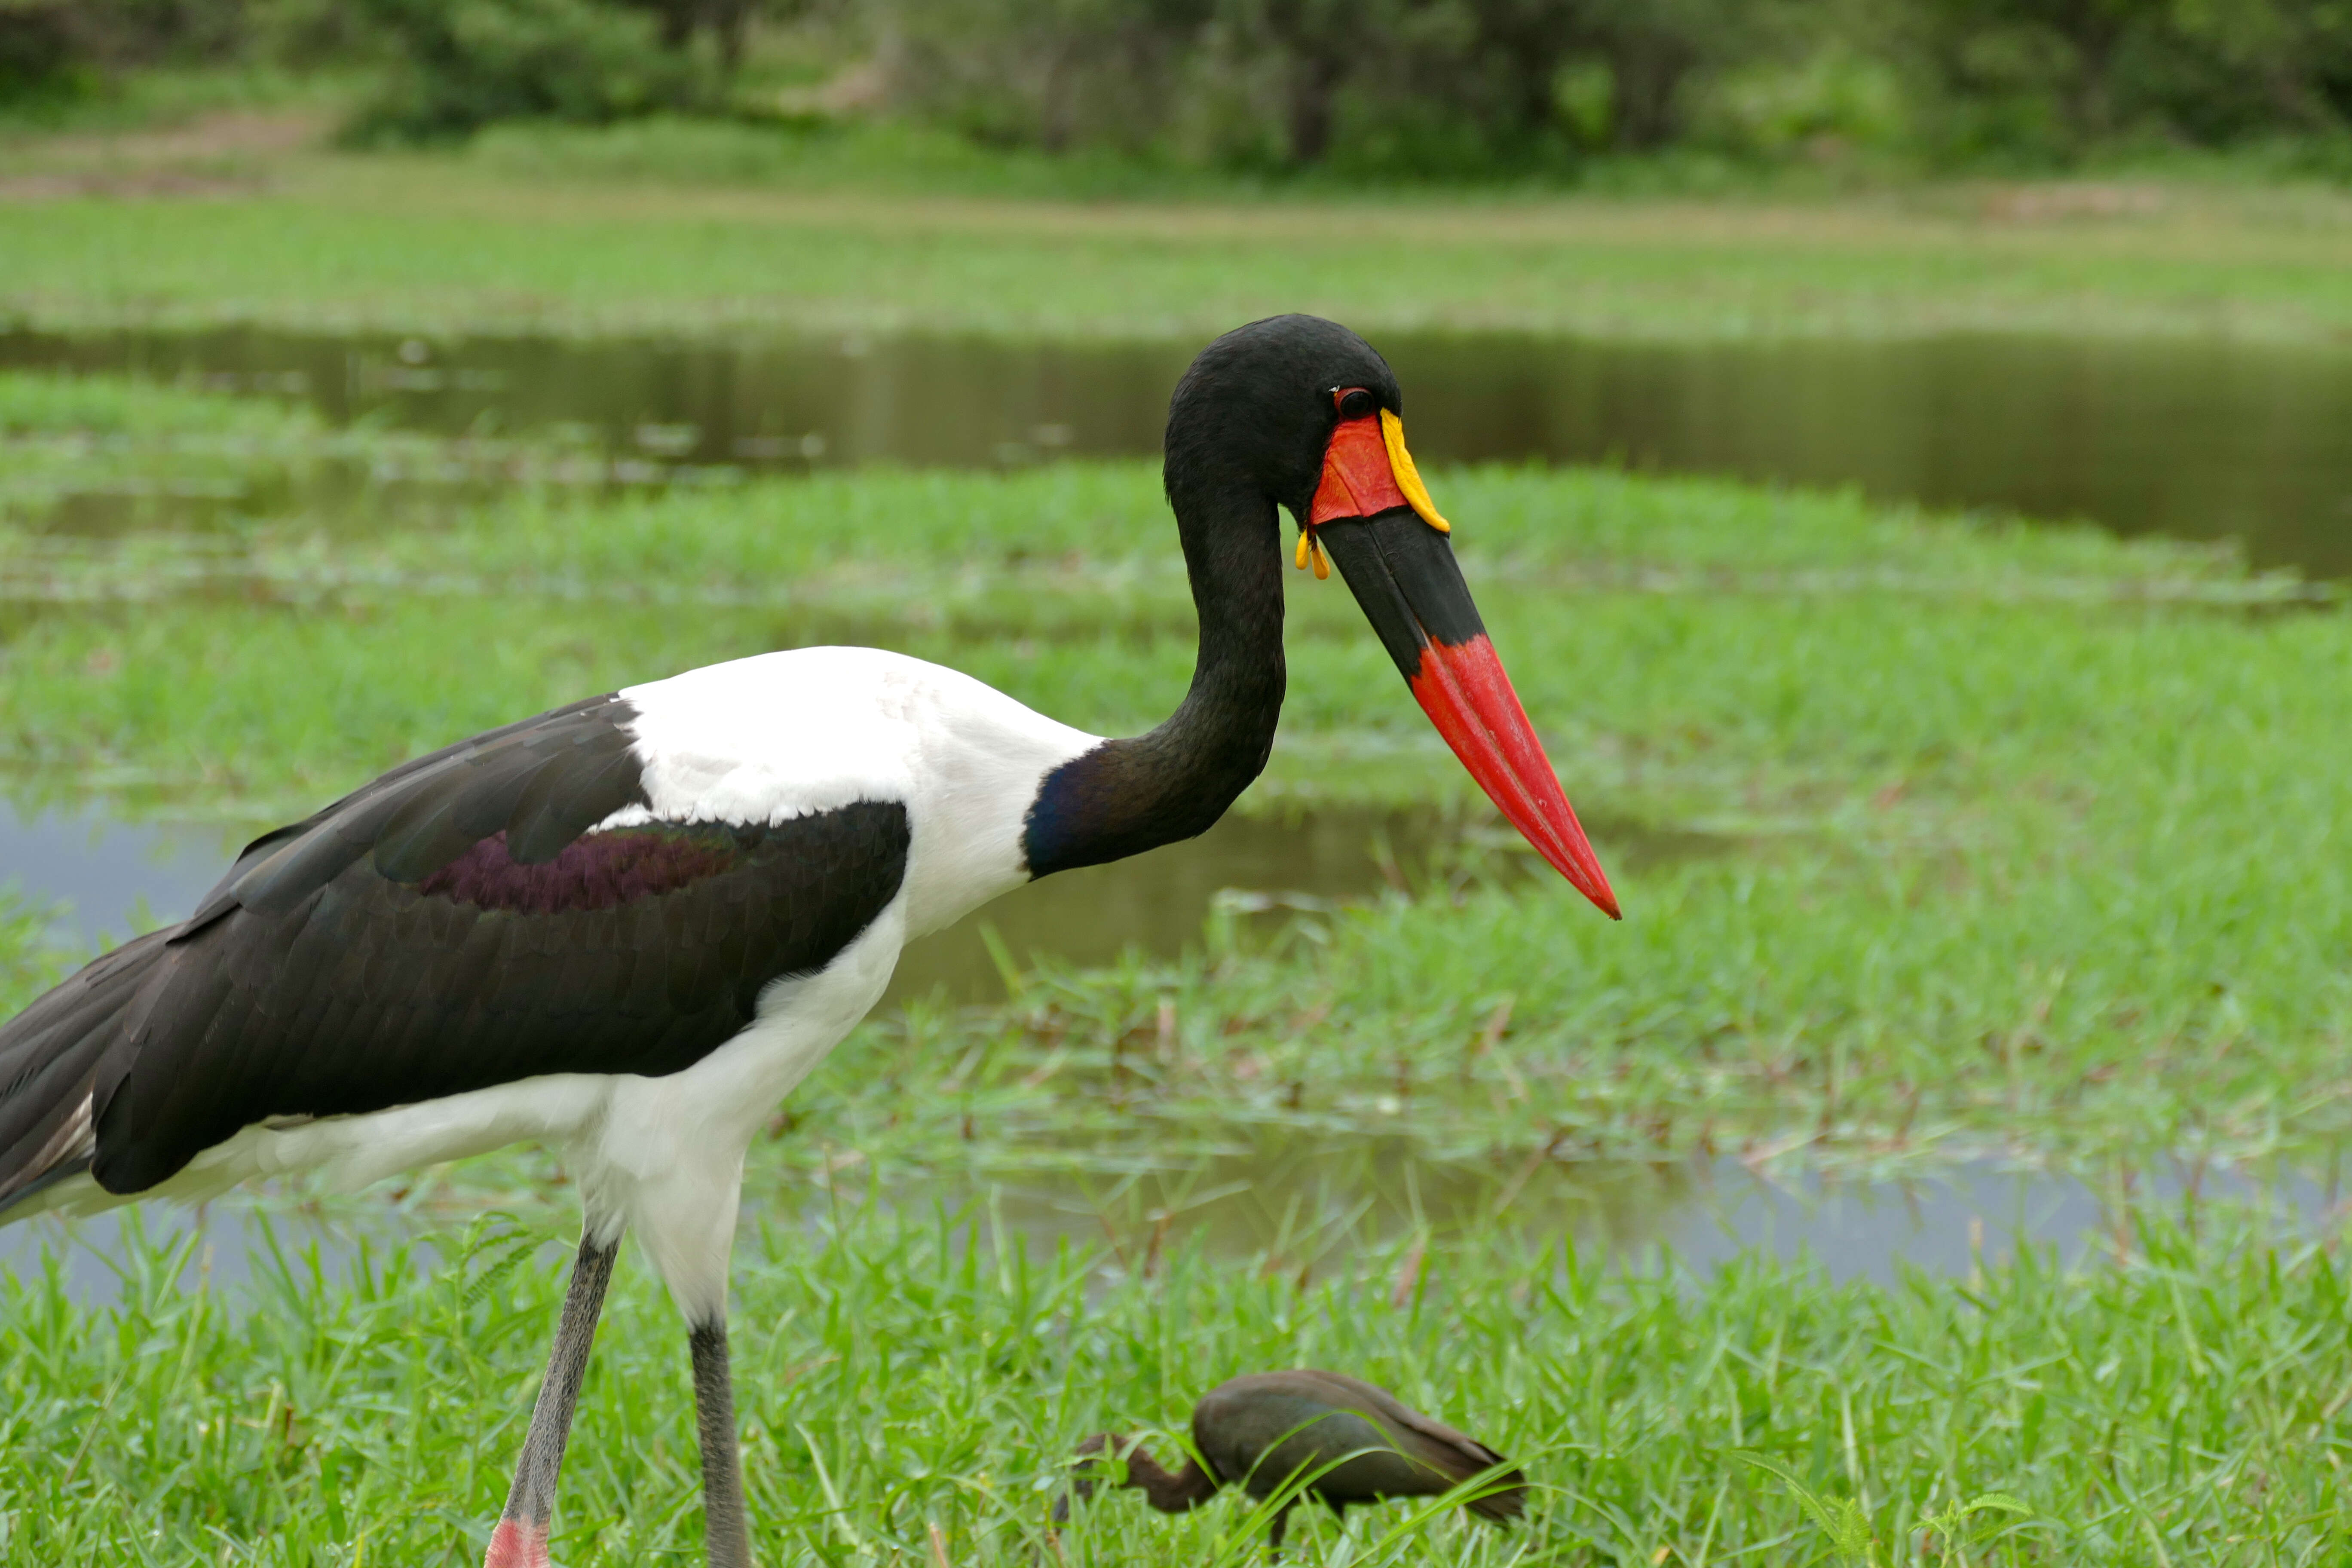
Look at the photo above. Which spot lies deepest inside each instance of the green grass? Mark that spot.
(890, 156)
(679, 228)
(165, 99)
(106, 481)
(898, 1373)
(2013, 840)
(2016, 837)
(89, 408)
(139, 453)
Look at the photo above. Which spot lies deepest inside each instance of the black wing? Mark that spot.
(48, 1060)
(447, 928)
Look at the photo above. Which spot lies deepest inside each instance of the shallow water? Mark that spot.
(101, 880)
(1260, 871)
(1308, 1201)
(1289, 1204)
(2200, 439)
(227, 1243)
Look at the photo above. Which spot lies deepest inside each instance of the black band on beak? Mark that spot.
(1402, 573)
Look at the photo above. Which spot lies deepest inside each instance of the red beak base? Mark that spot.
(1358, 481)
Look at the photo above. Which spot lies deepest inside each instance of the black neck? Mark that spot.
(1127, 796)
(1177, 1492)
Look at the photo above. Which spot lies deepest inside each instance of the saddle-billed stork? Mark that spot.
(628, 928)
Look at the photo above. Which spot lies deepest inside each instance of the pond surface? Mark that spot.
(103, 880)
(1309, 1205)
(2200, 439)
(1308, 1201)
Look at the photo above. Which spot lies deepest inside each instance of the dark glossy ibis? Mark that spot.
(1352, 1442)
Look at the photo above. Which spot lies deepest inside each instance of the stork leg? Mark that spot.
(725, 1530)
(521, 1539)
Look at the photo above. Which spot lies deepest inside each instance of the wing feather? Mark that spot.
(464, 920)
(461, 922)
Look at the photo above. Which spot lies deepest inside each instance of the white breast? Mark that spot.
(773, 737)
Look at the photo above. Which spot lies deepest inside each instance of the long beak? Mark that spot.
(1401, 571)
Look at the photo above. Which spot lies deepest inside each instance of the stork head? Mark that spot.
(1301, 413)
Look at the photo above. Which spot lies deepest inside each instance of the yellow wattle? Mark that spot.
(1311, 548)
(1408, 477)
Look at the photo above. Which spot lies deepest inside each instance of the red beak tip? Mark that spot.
(1464, 691)
(1603, 896)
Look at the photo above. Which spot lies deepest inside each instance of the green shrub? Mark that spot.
(1449, 86)
(460, 65)
(57, 51)
(39, 57)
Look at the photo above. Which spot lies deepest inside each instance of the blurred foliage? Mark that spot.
(1430, 86)
(1388, 88)
(459, 65)
(1439, 86)
(57, 51)
(442, 68)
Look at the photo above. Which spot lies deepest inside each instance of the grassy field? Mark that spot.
(664, 226)
(1992, 840)
(901, 1374)
(2005, 837)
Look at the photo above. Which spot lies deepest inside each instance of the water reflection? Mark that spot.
(101, 880)
(1290, 1202)
(1308, 1205)
(2199, 439)
(1157, 903)
(222, 1246)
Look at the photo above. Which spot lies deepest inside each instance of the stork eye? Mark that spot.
(1355, 402)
